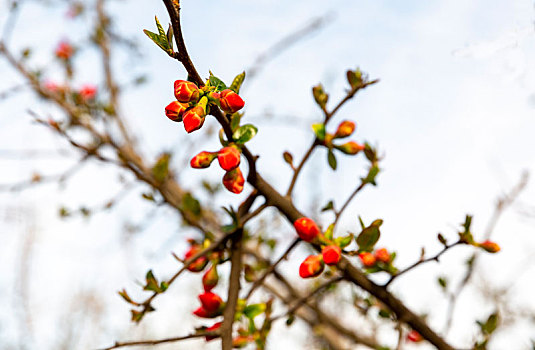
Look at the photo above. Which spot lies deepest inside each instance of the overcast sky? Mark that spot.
(453, 115)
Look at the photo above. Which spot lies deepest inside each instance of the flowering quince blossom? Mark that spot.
(64, 50)
(186, 91)
(345, 129)
(331, 254)
(367, 259)
(229, 158)
(88, 92)
(306, 229)
(230, 101)
(312, 266)
(382, 255)
(234, 181)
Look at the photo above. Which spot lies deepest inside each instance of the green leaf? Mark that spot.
(191, 204)
(368, 237)
(331, 158)
(161, 32)
(160, 170)
(126, 297)
(362, 226)
(253, 310)
(237, 82)
(137, 315)
(442, 239)
(244, 133)
(343, 242)
(319, 130)
(217, 83)
(372, 173)
(161, 42)
(329, 232)
(152, 283)
(490, 325)
(235, 121)
(328, 206)
(169, 36)
(443, 282)
(354, 78)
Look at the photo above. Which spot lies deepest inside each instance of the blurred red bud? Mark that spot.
(490, 246)
(64, 50)
(87, 92)
(345, 129)
(382, 255)
(199, 264)
(350, 147)
(210, 278)
(368, 260)
(211, 302)
(414, 337)
(331, 254)
(312, 266)
(212, 328)
(306, 229)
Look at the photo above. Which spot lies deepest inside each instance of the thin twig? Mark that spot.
(160, 341)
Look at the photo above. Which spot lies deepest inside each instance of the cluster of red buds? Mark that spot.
(193, 103)
(86, 93)
(229, 160)
(345, 129)
(331, 253)
(379, 257)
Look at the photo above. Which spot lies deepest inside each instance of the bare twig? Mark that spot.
(160, 341)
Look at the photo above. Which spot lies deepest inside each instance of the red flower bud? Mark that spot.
(194, 118)
(230, 101)
(186, 91)
(229, 158)
(345, 129)
(312, 266)
(202, 312)
(175, 110)
(88, 92)
(212, 328)
(64, 50)
(414, 337)
(210, 278)
(202, 160)
(490, 246)
(199, 264)
(211, 302)
(234, 181)
(350, 147)
(382, 255)
(368, 260)
(331, 254)
(306, 229)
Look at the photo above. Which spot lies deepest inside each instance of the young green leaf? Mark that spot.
(319, 130)
(237, 82)
(217, 83)
(368, 237)
(331, 158)
(244, 133)
(235, 121)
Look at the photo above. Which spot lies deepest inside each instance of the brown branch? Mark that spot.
(159, 341)
(421, 261)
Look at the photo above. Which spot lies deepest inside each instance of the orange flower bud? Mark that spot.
(234, 180)
(331, 254)
(229, 158)
(306, 229)
(241, 341)
(312, 266)
(211, 302)
(88, 92)
(350, 147)
(490, 246)
(212, 328)
(175, 110)
(186, 91)
(199, 264)
(210, 278)
(64, 50)
(202, 160)
(414, 337)
(368, 260)
(382, 255)
(230, 101)
(345, 129)
(194, 118)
